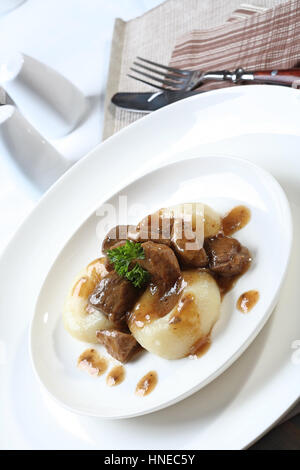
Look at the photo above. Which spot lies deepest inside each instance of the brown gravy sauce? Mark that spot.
(97, 268)
(235, 220)
(200, 348)
(147, 384)
(115, 376)
(184, 316)
(92, 362)
(184, 307)
(83, 287)
(86, 284)
(247, 301)
(154, 305)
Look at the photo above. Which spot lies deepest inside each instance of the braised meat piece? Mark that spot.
(187, 246)
(161, 262)
(114, 296)
(119, 345)
(227, 256)
(117, 234)
(108, 265)
(190, 258)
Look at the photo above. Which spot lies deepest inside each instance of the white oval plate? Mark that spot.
(221, 182)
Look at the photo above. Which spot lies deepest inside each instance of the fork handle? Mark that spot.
(288, 77)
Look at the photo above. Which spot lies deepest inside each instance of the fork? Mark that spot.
(174, 79)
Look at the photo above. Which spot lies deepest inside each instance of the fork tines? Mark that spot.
(165, 77)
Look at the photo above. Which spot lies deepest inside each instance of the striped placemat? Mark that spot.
(269, 39)
(160, 33)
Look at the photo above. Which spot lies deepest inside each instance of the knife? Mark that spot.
(147, 102)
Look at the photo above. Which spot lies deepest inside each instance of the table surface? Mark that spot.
(65, 35)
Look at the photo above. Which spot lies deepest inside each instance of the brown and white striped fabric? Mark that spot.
(207, 35)
(253, 40)
(246, 10)
(154, 35)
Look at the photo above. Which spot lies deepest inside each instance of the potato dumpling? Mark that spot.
(80, 319)
(174, 335)
(212, 220)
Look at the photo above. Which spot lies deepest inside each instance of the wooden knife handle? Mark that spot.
(288, 77)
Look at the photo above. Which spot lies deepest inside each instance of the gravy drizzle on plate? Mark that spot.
(147, 384)
(235, 220)
(115, 376)
(247, 301)
(92, 362)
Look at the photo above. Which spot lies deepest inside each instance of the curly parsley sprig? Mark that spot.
(122, 257)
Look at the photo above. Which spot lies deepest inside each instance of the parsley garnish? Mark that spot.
(122, 257)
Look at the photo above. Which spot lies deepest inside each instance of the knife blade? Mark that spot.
(148, 102)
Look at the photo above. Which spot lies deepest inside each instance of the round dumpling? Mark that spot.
(200, 213)
(212, 221)
(80, 319)
(176, 334)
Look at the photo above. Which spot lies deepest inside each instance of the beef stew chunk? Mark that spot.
(119, 345)
(161, 262)
(118, 234)
(227, 256)
(183, 236)
(108, 265)
(114, 296)
(190, 258)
